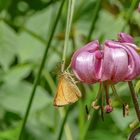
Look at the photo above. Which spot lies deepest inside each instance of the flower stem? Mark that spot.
(63, 124)
(67, 34)
(102, 103)
(40, 71)
(135, 99)
(107, 93)
(68, 29)
(95, 16)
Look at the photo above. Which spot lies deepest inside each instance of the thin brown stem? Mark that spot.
(134, 133)
(107, 93)
(102, 105)
(135, 99)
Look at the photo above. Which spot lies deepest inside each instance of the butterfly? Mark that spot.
(67, 90)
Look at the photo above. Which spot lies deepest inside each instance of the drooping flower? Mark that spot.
(118, 60)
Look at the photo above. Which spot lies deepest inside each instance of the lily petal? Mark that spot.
(86, 63)
(123, 37)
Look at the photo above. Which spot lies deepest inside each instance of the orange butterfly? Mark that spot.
(67, 91)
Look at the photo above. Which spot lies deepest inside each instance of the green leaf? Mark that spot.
(8, 45)
(29, 49)
(17, 73)
(40, 21)
(15, 97)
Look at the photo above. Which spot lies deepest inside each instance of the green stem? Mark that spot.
(67, 34)
(40, 71)
(135, 99)
(68, 29)
(95, 16)
(63, 124)
(106, 87)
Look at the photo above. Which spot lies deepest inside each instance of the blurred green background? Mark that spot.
(24, 29)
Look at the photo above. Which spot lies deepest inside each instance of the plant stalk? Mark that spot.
(68, 29)
(63, 124)
(135, 99)
(40, 71)
(95, 16)
(67, 34)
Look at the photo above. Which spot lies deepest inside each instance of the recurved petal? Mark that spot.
(123, 37)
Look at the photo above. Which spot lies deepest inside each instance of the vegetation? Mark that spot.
(32, 36)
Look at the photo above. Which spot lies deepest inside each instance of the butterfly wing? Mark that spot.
(59, 99)
(67, 92)
(71, 91)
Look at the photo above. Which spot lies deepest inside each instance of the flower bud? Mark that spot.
(108, 109)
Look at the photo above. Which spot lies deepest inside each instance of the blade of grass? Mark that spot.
(68, 29)
(95, 17)
(63, 124)
(67, 35)
(40, 71)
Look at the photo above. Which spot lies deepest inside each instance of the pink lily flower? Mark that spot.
(118, 61)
